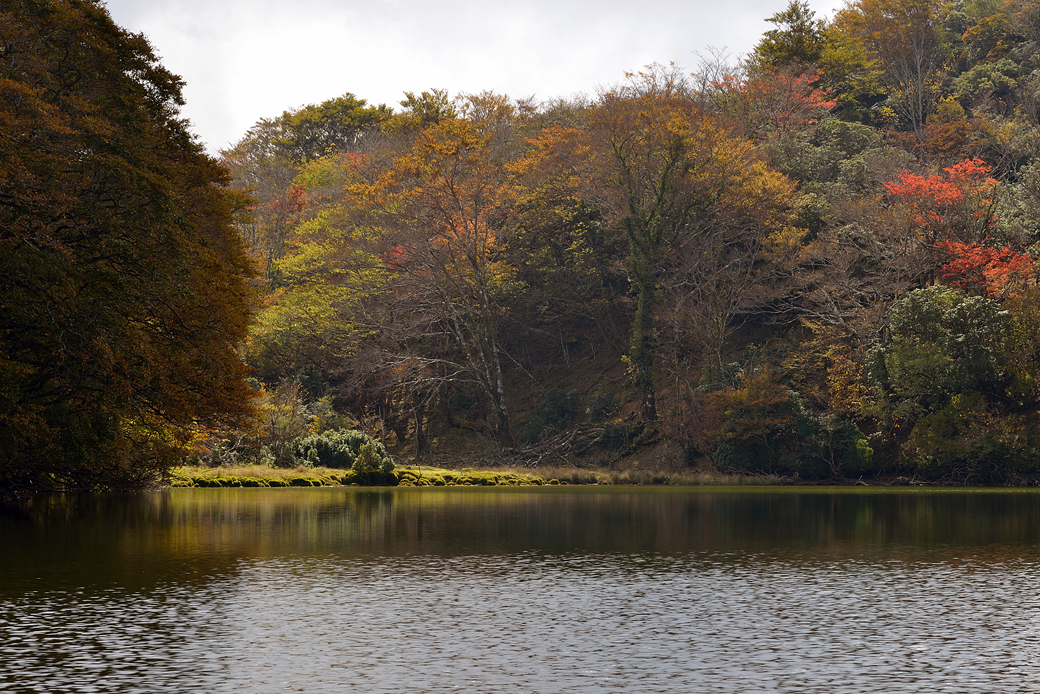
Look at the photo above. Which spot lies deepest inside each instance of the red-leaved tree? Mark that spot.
(993, 272)
(956, 204)
(784, 100)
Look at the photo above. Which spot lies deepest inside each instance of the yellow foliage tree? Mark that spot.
(443, 209)
(693, 201)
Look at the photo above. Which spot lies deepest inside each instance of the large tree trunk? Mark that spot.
(644, 345)
(503, 431)
(422, 444)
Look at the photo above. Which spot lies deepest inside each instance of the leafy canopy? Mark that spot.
(123, 289)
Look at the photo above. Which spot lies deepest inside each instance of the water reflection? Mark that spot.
(491, 590)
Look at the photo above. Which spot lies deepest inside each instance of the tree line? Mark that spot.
(814, 261)
(124, 284)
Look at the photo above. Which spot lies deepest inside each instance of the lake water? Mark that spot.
(523, 590)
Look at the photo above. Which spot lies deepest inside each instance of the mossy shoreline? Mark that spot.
(423, 476)
(257, 476)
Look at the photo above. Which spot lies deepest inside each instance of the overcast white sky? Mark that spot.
(249, 59)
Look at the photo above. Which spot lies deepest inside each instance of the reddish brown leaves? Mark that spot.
(994, 272)
(955, 204)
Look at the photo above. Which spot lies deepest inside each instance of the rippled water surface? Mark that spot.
(544, 590)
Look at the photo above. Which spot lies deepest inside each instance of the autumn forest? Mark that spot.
(817, 261)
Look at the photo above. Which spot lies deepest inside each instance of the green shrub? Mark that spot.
(530, 431)
(970, 441)
(766, 428)
(828, 445)
(602, 406)
(951, 381)
(463, 400)
(618, 436)
(943, 341)
(559, 410)
(338, 448)
(555, 411)
(373, 466)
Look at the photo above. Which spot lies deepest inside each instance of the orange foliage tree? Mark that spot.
(782, 101)
(694, 204)
(955, 205)
(123, 285)
(993, 272)
(443, 210)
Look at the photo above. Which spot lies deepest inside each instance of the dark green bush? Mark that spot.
(530, 431)
(970, 442)
(559, 410)
(338, 448)
(462, 400)
(618, 436)
(764, 427)
(602, 406)
(556, 411)
(373, 466)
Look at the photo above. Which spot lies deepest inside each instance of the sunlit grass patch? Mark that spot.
(254, 476)
(586, 476)
(406, 476)
(423, 476)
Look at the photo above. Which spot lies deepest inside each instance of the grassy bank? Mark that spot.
(259, 476)
(417, 476)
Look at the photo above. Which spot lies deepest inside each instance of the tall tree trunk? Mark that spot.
(422, 445)
(503, 430)
(644, 344)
